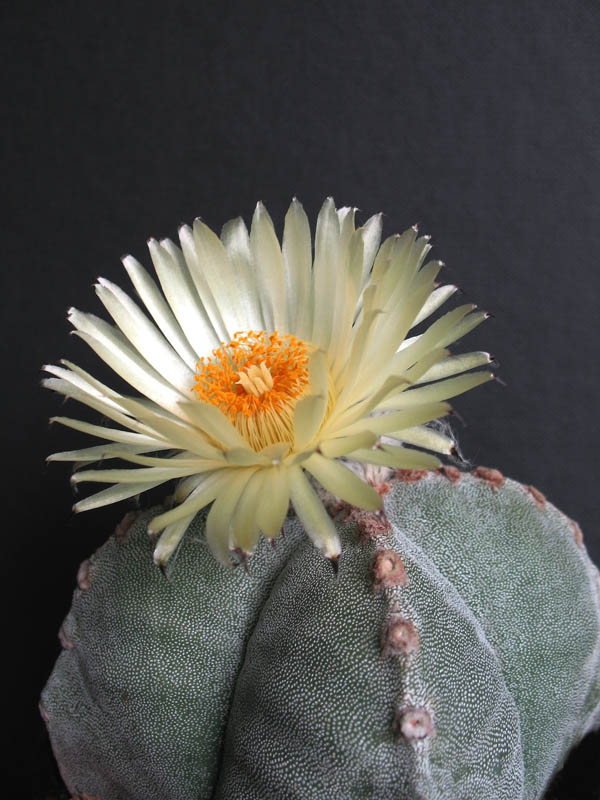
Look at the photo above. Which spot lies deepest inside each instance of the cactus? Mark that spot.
(455, 655)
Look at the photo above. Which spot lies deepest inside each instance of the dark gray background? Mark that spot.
(478, 120)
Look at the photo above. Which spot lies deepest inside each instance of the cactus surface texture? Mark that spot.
(455, 655)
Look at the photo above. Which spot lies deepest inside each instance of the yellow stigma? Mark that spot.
(256, 380)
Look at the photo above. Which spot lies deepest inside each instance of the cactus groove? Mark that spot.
(455, 655)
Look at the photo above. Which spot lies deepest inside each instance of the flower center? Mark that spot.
(256, 380)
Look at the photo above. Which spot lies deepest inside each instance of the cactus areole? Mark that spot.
(294, 395)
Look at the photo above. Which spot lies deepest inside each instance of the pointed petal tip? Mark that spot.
(334, 561)
(163, 568)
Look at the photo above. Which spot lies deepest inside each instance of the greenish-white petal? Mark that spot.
(297, 260)
(179, 432)
(435, 336)
(179, 461)
(396, 420)
(436, 299)
(428, 438)
(217, 269)
(276, 452)
(100, 452)
(311, 512)
(308, 416)
(135, 371)
(133, 475)
(442, 390)
(244, 457)
(271, 512)
(102, 406)
(325, 273)
(170, 539)
(214, 422)
(343, 483)
(463, 327)
(143, 335)
(341, 445)
(371, 237)
(114, 494)
(218, 521)
(244, 524)
(237, 243)
(203, 259)
(159, 309)
(198, 498)
(270, 275)
(182, 296)
(453, 365)
(396, 457)
(113, 434)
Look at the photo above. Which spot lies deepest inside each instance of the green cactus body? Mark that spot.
(456, 655)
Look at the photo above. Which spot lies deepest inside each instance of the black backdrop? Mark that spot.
(478, 120)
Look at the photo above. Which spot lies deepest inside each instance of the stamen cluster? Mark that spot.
(253, 379)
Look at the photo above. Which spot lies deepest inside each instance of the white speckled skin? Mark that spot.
(273, 685)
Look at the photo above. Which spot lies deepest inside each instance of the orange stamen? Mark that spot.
(256, 381)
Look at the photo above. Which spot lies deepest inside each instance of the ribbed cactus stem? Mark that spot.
(455, 655)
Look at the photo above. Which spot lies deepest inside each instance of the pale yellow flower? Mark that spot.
(258, 363)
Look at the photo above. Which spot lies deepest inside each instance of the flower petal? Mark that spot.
(159, 310)
(114, 494)
(181, 295)
(436, 299)
(270, 274)
(133, 475)
(422, 436)
(170, 540)
(397, 458)
(396, 420)
(341, 445)
(454, 365)
(218, 521)
(237, 243)
(209, 265)
(244, 525)
(113, 434)
(100, 452)
(312, 514)
(297, 261)
(442, 390)
(200, 497)
(343, 483)
(325, 273)
(143, 335)
(270, 515)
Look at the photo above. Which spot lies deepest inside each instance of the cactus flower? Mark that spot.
(257, 363)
